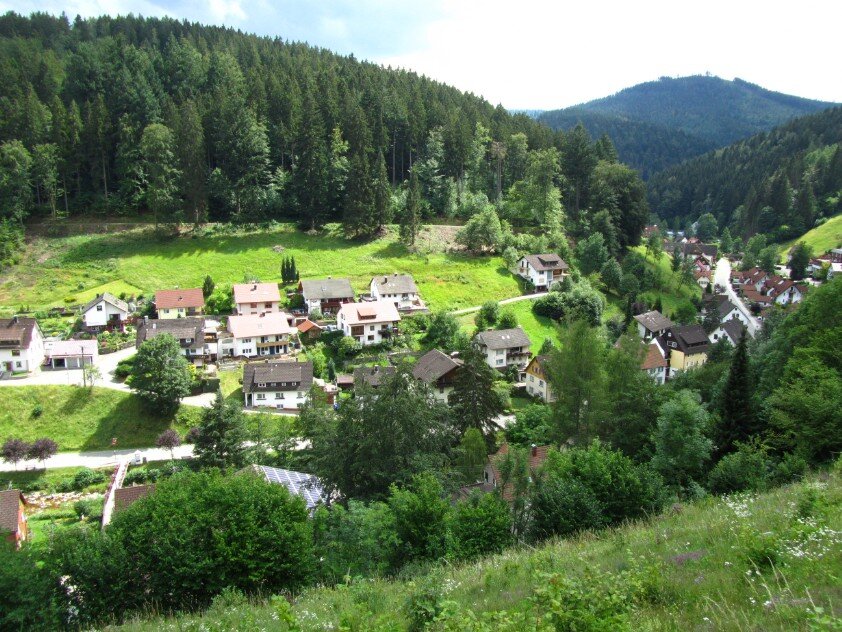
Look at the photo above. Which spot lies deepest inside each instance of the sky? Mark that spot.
(531, 54)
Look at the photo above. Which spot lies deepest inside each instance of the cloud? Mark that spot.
(221, 10)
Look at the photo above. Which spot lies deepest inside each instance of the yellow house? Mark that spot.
(537, 383)
(687, 347)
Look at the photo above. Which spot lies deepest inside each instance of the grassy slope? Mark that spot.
(822, 238)
(82, 419)
(58, 268)
(672, 294)
(698, 574)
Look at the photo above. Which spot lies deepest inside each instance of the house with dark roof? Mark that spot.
(326, 295)
(439, 370)
(300, 484)
(281, 385)
(21, 345)
(542, 270)
(13, 526)
(190, 333)
(105, 311)
(733, 329)
(399, 289)
(685, 346)
(125, 497)
(652, 324)
(503, 348)
(179, 303)
(372, 376)
(537, 382)
(726, 311)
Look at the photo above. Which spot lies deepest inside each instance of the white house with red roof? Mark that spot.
(368, 323)
(260, 335)
(179, 303)
(256, 298)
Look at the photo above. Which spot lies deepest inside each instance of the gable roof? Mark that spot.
(690, 338)
(326, 289)
(540, 360)
(125, 496)
(306, 325)
(734, 329)
(256, 293)
(298, 483)
(187, 297)
(653, 321)
(254, 325)
(298, 376)
(17, 332)
(725, 308)
(179, 328)
(372, 375)
(106, 297)
(371, 312)
(549, 261)
(433, 365)
(395, 284)
(10, 500)
(503, 338)
(654, 357)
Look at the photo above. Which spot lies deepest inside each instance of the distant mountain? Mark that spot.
(660, 123)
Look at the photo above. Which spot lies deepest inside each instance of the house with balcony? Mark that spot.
(326, 295)
(504, 348)
(655, 362)
(652, 324)
(105, 311)
(178, 303)
(256, 298)
(537, 382)
(399, 289)
(685, 347)
(542, 270)
(369, 323)
(190, 333)
(283, 385)
(256, 335)
(21, 345)
(439, 370)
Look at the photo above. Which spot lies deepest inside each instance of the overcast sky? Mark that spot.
(539, 55)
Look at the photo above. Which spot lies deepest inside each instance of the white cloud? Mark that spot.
(222, 10)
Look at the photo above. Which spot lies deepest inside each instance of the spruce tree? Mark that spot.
(358, 216)
(293, 270)
(411, 217)
(737, 419)
(382, 194)
(726, 243)
(208, 287)
(474, 400)
(285, 270)
(221, 435)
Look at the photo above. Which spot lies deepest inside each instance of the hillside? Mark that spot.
(821, 238)
(660, 123)
(766, 171)
(765, 562)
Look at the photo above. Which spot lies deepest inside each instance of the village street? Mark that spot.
(722, 276)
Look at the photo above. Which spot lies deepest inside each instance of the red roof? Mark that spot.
(537, 456)
(654, 358)
(188, 297)
(126, 496)
(10, 500)
(306, 325)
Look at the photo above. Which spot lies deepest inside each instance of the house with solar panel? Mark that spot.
(298, 483)
(279, 385)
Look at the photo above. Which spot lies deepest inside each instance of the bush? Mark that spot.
(745, 469)
(480, 525)
(37, 411)
(533, 424)
(791, 467)
(87, 477)
(124, 368)
(562, 505)
(89, 508)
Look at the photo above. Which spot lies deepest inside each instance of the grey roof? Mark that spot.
(9, 504)
(298, 483)
(725, 308)
(689, 338)
(654, 321)
(503, 338)
(327, 288)
(433, 365)
(550, 261)
(277, 376)
(108, 297)
(179, 328)
(17, 332)
(372, 375)
(734, 328)
(395, 284)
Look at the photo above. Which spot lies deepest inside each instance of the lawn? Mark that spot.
(672, 293)
(822, 238)
(81, 419)
(538, 328)
(38, 479)
(135, 261)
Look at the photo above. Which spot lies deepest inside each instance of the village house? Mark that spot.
(309, 329)
(125, 497)
(368, 323)
(21, 345)
(492, 478)
(655, 362)
(783, 291)
(105, 311)
(179, 303)
(283, 385)
(732, 329)
(300, 484)
(439, 370)
(542, 270)
(834, 270)
(13, 526)
(190, 333)
(686, 347)
(256, 298)
(326, 295)
(726, 311)
(70, 354)
(372, 376)
(503, 348)
(537, 383)
(650, 230)
(399, 289)
(259, 335)
(652, 324)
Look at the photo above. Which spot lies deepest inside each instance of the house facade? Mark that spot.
(13, 525)
(178, 303)
(732, 329)
(439, 370)
(70, 354)
(537, 383)
(369, 323)
(190, 333)
(655, 362)
(685, 347)
(652, 324)
(21, 345)
(503, 348)
(259, 335)
(326, 295)
(256, 298)
(399, 289)
(105, 311)
(542, 270)
(283, 385)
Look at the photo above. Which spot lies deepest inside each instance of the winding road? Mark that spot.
(722, 276)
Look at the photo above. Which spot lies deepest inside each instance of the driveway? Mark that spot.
(101, 458)
(722, 276)
(73, 377)
(505, 301)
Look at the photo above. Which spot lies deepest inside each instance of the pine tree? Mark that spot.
(410, 218)
(191, 156)
(293, 270)
(382, 194)
(285, 270)
(221, 435)
(208, 287)
(737, 418)
(474, 401)
(658, 307)
(726, 243)
(358, 217)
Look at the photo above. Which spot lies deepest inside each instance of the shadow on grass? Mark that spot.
(131, 422)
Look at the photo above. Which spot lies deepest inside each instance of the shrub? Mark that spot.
(791, 467)
(124, 367)
(480, 525)
(90, 508)
(87, 477)
(745, 469)
(562, 505)
(37, 411)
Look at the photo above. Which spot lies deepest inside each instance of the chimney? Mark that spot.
(534, 450)
(15, 319)
(254, 287)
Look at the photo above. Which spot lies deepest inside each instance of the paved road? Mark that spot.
(722, 276)
(505, 301)
(97, 459)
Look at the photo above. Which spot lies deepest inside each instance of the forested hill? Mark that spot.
(660, 123)
(778, 182)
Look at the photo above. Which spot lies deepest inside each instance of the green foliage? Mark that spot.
(482, 232)
(680, 440)
(472, 454)
(507, 320)
(800, 256)
(561, 505)
(532, 425)
(161, 374)
(480, 525)
(487, 315)
(90, 509)
(443, 332)
(707, 228)
(421, 518)
(591, 254)
(745, 469)
(475, 400)
(25, 587)
(221, 435)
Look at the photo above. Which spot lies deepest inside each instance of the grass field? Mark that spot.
(538, 328)
(747, 562)
(37, 479)
(81, 419)
(822, 238)
(135, 261)
(672, 294)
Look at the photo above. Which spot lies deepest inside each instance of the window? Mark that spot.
(16, 353)
(499, 361)
(371, 327)
(18, 364)
(371, 338)
(245, 340)
(279, 395)
(99, 308)
(541, 383)
(261, 385)
(268, 305)
(261, 396)
(254, 304)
